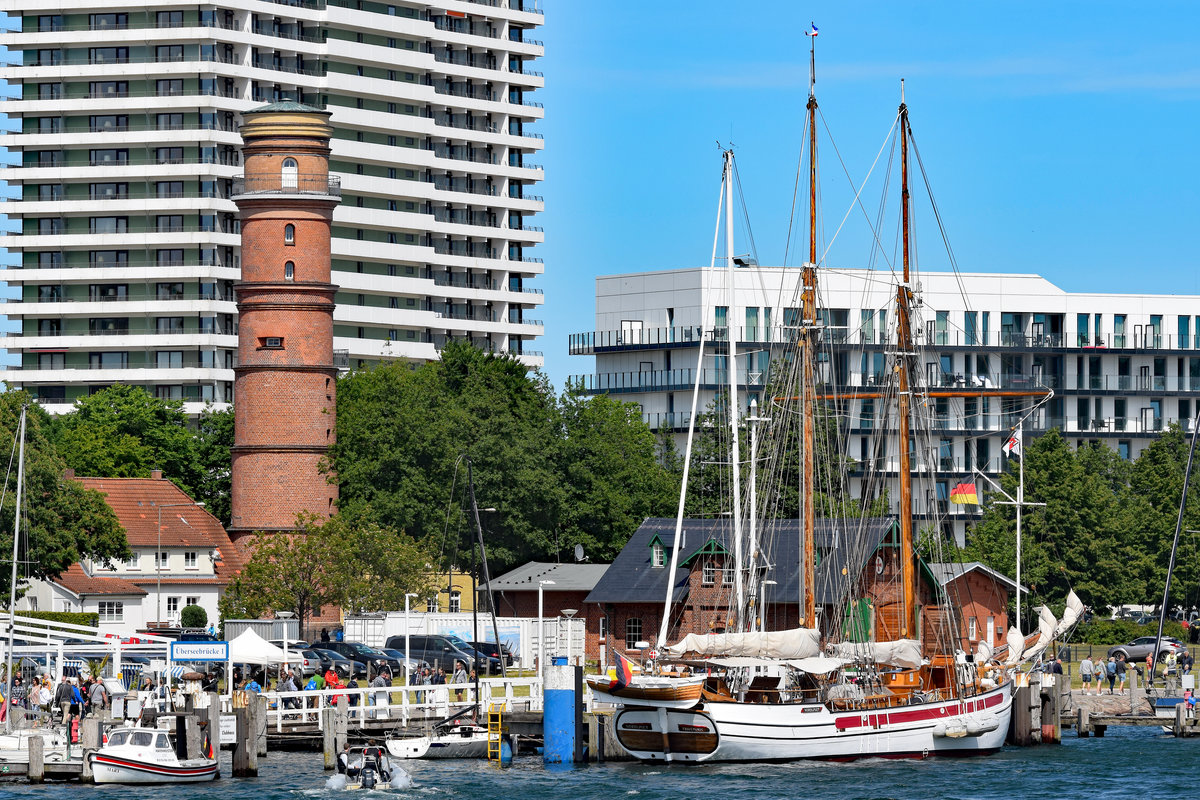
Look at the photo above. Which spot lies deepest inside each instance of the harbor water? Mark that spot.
(1127, 762)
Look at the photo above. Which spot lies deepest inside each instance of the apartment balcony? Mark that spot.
(279, 184)
(664, 380)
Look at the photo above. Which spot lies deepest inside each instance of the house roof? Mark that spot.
(137, 502)
(286, 105)
(566, 577)
(79, 583)
(842, 546)
(945, 572)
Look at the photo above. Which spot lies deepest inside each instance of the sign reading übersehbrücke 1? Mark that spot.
(199, 651)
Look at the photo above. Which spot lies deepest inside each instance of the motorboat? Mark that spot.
(368, 768)
(148, 755)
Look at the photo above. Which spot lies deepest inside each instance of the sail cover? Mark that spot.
(904, 653)
(1046, 626)
(1016, 643)
(1070, 616)
(795, 643)
(984, 653)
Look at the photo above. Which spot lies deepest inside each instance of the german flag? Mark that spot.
(964, 494)
(622, 672)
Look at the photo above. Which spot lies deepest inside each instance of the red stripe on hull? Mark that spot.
(154, 769)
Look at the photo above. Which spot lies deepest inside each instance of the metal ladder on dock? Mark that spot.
(495, 731)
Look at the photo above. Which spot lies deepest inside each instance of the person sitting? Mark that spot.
(373, 756)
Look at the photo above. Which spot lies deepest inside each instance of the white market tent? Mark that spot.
(250, 648)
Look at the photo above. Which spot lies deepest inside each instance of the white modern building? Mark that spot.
(181, 557)
(1122, 367)
(123, 241)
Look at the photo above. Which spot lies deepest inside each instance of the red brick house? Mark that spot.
(981, 595)
(856, 558)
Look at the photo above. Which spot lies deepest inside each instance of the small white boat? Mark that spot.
(14, 747)
(147, 755)
(367, 770)
(463, 740)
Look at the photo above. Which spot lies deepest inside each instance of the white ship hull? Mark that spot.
(785, 732)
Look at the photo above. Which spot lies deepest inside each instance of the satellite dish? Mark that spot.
(579, 552)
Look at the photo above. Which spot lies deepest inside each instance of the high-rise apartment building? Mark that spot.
(1121, 367)
(123, 239)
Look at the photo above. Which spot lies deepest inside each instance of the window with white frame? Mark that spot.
(112, 611)
(633, 632)
(160, 559)
(172, 606)
(455, 602)
(189, 560)
(708, 573)
(431, 605)
(972, 628)
(658, 555)
(192, 601)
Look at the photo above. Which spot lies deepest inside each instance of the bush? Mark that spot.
(193, 617)
(1123, 631)
(88, 619)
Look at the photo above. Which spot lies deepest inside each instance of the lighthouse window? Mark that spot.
(272, 343)
(289, 234)
(289, 271)
(290, 176)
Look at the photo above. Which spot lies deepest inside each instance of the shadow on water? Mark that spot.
(1126, 762)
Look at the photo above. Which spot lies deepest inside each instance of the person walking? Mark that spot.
(62, 699)
(1085, 675)
(1110, 672)
(97, 696)
(1149, 669)
(1122, 668)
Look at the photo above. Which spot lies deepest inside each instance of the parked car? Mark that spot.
(1139, 648)
(493, 650)
(490, 664)
(439, 651)
(410, 664)
(376, 660)
(342, 665)
(310, 662)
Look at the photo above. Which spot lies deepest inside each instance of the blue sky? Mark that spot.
(1060, 138)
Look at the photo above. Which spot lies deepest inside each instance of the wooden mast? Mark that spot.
(904, 345)
(808, 322)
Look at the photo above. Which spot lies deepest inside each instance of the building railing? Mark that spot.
(301, 183)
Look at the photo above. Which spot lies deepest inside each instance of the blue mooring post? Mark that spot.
(562, 716)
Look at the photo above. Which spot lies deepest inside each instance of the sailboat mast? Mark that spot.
(12, 587)
(808, 313)
(908, 623)
(731, 368)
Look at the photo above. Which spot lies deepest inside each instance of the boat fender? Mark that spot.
(939, 730)
(974, 728)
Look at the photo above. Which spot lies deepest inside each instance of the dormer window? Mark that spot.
(658, 555)
(271, 343)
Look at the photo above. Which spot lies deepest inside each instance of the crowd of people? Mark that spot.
(1115, 671)
(42, 702)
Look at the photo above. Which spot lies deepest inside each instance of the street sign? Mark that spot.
(199, 651)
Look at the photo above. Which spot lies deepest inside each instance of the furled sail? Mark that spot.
(905, 653)
(984, 652)
(1016, 643)
(1070, 616)
(1046, 627)
(795, 643)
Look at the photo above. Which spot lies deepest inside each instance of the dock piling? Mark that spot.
(245, 751)
(89, 740)
(259, 704)
(37, 759)
(328, 737)
(191, 733)
(1082, 723)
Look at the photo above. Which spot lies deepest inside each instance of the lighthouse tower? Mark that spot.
(284, 377)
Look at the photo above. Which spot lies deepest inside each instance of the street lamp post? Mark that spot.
(408, 661)
(542, 630)
(158, 567)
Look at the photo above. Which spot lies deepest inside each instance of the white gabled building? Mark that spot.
(181, 556)
(123, 239)
(1122, 367)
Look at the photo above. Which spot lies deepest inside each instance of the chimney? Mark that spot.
(156, 475)
(68, 474)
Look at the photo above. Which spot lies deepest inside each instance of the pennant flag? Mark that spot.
(814, 30)
(622, 672)
(1012, 447)
(964, 494)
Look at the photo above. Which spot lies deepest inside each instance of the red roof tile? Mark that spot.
(77, 581)
(137, 501)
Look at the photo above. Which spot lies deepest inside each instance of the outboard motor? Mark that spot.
(368, 776)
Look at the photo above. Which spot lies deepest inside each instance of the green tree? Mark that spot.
(374, 566)
(193, 617)
(614, 478)
(294, 572)
(214, 438)
(63, 521)
(124, 432)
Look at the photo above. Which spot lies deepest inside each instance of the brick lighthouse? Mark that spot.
(285, 378)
